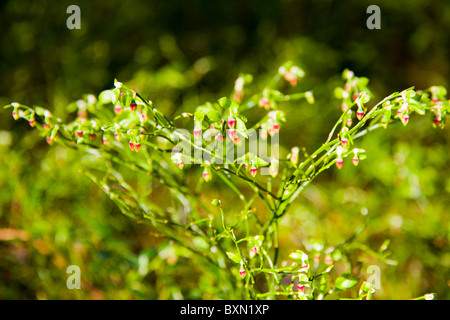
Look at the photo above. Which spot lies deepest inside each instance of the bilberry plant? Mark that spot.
(136, 152)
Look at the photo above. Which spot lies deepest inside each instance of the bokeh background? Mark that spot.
(182, 54)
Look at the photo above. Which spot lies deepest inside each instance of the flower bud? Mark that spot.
(220, 137)
(15, 114)
(242, 272)
(197, 133)
(231, 122)
(206, 175)
(238, 95)
(253, 171)
(236, 140)
(118, 109)
(133, 105)
(294, 155)
(105, 140)
(82, 114)
(309, 97)
(360, 113)
(49, 140)
(253, 252)
(32, 122)
(264, 102)
(405, 119)
(232, 133)
(339, 163)
(274, 168)
(137, 147)
(355, 160)
(79, 133)
(263, 134)
(132, 146)
(344, 142)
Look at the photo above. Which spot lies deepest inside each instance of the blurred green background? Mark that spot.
(181, 54)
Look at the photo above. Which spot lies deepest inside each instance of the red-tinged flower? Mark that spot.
(242, 272)
(32, 122)
(197, 133)
(347, 87)
(328, 260)
(220, 137)
(231, 122)
(137, 147)
(317, 257)
(355, 160)
(437, 122)
(276, 126)
(117, 136)
(253, 252)
(292, 79)
(79, 133)
(300, 288)
(349, 122)
(435, 100)
(232, 133)
(253, 171)
(360, 114)
(264, 102)
(144, 117)
(45, 126)
(82, 114)
(213, 129)
(180, 164)
(206, 175)
(339, 163)
(118, 109)
(405, 119)
(273, 171)
(263, 134)
(132, 146)
(344, 107)
(49, 140)
(15, 114)
(236, 140)
(92, 136)
(238, 95)
(133, 105)
(105, 140)
(355, 96)
(344, 142)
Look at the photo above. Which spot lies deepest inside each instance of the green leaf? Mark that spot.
(199, 115)
(107, 96)
(234, 107)
(344, 283)
(233, 257)
(214, 115)
(258, 162)
(298, 255)
(224, 102)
